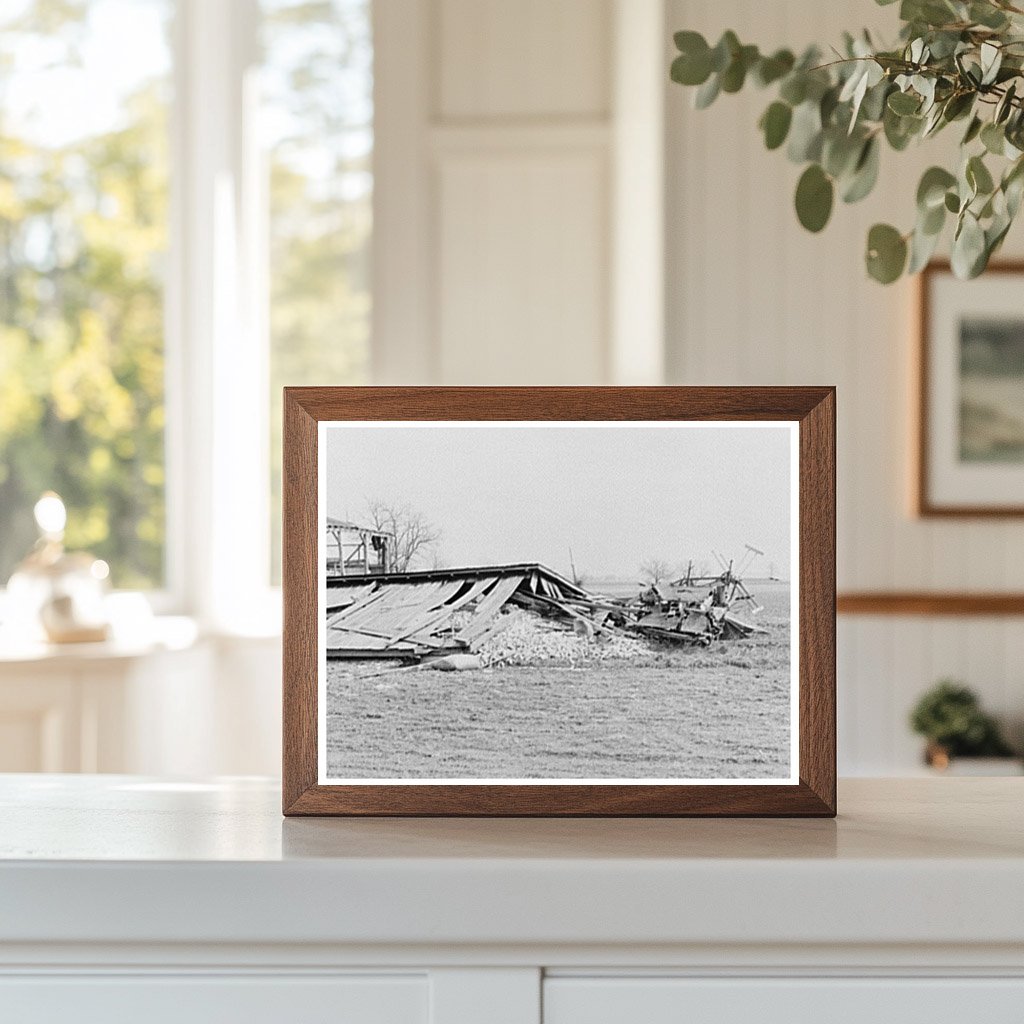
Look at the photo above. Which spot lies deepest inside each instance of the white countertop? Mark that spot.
(123, 859)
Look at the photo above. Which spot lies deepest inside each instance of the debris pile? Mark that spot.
(530, 640)
(521, 614)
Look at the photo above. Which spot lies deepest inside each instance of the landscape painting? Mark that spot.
(991, 389)
(575, 602)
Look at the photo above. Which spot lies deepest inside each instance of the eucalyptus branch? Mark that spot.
(954, 58)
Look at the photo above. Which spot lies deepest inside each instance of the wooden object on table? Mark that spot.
(812, 407)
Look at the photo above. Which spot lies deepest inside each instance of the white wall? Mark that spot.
(501, 145)
(754, 299)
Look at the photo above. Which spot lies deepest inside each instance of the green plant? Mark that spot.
(956, 61)
(950, 717)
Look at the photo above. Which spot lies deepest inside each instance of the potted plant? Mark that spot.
(950, 717)
(956, 62)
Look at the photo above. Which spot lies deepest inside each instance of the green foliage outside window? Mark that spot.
(83, 245)
(83, 220)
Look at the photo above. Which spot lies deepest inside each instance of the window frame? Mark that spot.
(216, 347)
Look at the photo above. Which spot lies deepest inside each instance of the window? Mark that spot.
(317, 88)
(199, 164)
(83, 235)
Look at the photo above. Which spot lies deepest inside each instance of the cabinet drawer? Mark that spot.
(202, 999)
(783, 1001)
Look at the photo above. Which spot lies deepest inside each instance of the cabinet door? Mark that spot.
(202, 999)
(783, 1001)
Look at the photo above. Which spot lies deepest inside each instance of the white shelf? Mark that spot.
(121, 859)
(127, 897)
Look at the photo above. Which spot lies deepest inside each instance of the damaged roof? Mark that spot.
(438, 611)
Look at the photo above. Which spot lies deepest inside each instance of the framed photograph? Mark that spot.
(971, 393)
(559, 601)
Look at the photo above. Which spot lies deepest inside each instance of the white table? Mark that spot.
(125, 898)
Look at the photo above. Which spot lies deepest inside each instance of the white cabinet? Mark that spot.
(202, 999)
(624, 1000)
(131, 899)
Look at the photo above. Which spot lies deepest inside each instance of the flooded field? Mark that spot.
(720, 712)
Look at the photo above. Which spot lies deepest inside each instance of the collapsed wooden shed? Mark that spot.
(411, 615)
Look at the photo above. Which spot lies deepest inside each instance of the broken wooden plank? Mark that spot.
(353, 609)
(592, 625)
(396, 603)
(496, 597)
(498, 625)
(445, 612)
(346, 597)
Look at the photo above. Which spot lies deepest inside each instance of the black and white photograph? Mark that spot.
(574, 602)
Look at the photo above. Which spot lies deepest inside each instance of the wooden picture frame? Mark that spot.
(940, 490)
(809, 791)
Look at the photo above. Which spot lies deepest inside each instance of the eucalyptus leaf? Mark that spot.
(1013, 186)
(922, 248)
(827, 106)
(991, 61)
(1014, 192)
(1005, 105)
(973, 130)
(771, 69)
(840, 152)
(794, 88)
(925, 87)
(814, 196)
(904, 103)
(932, 221)
(987, 15)
(775, 124)
(930, 12)
(931, 190)
(958, 105)
(735, 74)
(966, 187)
(873, 106)
(900, 130)
(993, 138)
(865, 173)
(805, 133)
(978, 176)
(886, 253)
(933, 122)
(724, 51)
(968, 248)
(944, 44)
(691, 70)
(707, 93)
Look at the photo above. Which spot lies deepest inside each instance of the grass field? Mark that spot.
(721, 712)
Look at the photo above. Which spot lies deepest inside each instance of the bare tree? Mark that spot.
(414, 536)
(655, 570)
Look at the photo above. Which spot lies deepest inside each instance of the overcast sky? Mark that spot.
(616, 495)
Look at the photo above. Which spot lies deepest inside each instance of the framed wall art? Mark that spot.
(970, 450)
(559, 601)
